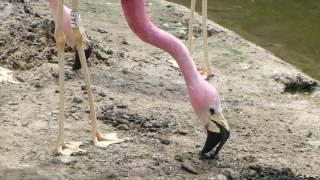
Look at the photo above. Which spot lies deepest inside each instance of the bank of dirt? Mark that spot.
(140, 94)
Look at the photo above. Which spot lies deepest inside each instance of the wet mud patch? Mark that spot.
(125, 119)
(297, 83)
(259, 172)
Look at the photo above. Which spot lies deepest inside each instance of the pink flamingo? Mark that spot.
(203, 96)
(68, 33)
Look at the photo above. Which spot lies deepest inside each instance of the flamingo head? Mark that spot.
(206, 103)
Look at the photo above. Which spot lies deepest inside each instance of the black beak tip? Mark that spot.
(213, 139)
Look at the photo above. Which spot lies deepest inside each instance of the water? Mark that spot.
(288, 28)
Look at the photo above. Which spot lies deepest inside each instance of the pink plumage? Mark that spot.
(201, 93)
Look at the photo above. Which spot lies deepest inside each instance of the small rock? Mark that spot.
(156, 124)
(289, 130)
(35, 23)
(102, 30)
(165, 25)
(73, 109)
(122, 106)
(309, 135)
(147, 125)
(27, 9)
(77, 100)
(102, 94)
(182, 34)
(21, 79)
(110, 52)
(221, 177)
(121, 54)
(101, 55)
(38, 84)
(11, 103)
(179, 158)
(83, 87)
(212, 31)
(165, 141)
(124, 41)
(125, 70)
(182, 132)
(186, 166)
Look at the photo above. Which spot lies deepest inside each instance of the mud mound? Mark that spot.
(27, 39)
(297, 83)
(258, 172)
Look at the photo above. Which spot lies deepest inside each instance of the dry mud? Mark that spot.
(141, 95)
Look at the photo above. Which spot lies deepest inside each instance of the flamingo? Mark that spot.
(206, 68)
(204, 97)
(68, 34)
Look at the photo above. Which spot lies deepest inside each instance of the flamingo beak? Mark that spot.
(217, 133)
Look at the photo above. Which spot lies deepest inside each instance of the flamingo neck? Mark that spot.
(140, 24)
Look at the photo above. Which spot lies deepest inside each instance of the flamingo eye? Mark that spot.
(212, 111)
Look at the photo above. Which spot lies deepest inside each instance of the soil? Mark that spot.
(140, 94)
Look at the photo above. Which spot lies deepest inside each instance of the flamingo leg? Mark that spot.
(62, 147)
(206, 69)
(191, 21)
(99, 139)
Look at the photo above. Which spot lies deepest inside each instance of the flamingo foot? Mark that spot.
(104, 140)
(70, 148)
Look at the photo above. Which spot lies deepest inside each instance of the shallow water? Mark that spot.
(289, 29)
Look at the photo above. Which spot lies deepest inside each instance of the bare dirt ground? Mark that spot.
(141, 95)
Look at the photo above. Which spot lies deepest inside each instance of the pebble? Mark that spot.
(12, 103)
(102, 94)
(83, 87)
(122, 106)
(221, 177)
(166, 25)
(309, 134)
(147, 125)
(73, 109)
(182, 34)
(38, 85)
(182, 132)
(186, 166)
(121, 54)
(101, 55)
(125, 70)
(124, 41)
(77, 100)
(179, 158)
(110, 52)
(35, 23)
(165, 141)
(102, 30)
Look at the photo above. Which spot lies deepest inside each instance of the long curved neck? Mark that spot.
(140, 24)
